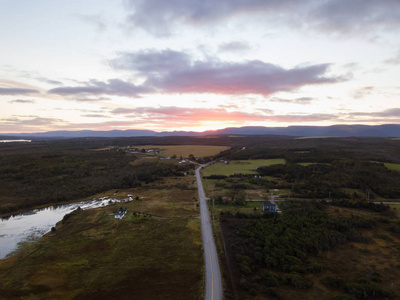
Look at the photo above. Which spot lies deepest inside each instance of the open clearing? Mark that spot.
(154, 253)
(239, 166)
(186, 150)
(390, 166)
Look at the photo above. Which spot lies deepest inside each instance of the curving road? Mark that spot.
(213, 274)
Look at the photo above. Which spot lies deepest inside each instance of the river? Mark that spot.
(33, 224)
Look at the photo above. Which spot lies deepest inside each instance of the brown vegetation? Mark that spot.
(154, 253)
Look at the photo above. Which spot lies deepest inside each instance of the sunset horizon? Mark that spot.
(197, 65)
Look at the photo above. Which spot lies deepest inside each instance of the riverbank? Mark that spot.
(111, 193)
(94, 255)
(19, 230)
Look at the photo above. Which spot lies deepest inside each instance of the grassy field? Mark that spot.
(239, 166)
(390, 166)
(154, 253)
(186, 150)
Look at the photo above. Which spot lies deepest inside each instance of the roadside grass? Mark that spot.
(154, 253)
(186, 150)
(239, 166)
(223, 187)
(249, 208)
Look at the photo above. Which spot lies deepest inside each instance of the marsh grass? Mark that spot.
(154, 253)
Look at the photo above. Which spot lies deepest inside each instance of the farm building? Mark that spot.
(269, 207)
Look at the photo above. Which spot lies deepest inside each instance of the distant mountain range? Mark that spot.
(388, 130)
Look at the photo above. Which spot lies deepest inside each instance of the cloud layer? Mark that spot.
(340, 16)
(115, 87)
(169, 71)
(17, 91)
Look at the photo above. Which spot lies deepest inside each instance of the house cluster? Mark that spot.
(152, 150)
(133, 150)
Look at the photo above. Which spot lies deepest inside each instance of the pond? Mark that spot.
(33, 224)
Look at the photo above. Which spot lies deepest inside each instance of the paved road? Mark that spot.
(213, 274)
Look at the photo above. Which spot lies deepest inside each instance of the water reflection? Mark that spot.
(32, 224)
(15, 141)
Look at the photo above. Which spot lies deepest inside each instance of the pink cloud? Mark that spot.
(169, 71)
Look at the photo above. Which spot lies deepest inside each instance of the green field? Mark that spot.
(390, 166)
(240, 166)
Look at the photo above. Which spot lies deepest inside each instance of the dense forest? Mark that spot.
(271, 252)
(328, 180)
(319, 150)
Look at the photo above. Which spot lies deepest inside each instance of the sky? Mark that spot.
(168, 65)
